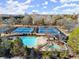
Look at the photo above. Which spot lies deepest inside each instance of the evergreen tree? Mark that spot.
(73, 41)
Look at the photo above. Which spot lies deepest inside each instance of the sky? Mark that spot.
(39, 6)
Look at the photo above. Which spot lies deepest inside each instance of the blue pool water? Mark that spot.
(23, 30)
(51, 30)
(29, 41)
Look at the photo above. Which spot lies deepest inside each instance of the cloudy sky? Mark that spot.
(39, 6)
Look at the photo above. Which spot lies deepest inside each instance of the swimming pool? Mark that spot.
(51, 30)
(23, 30)
(29, 41)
